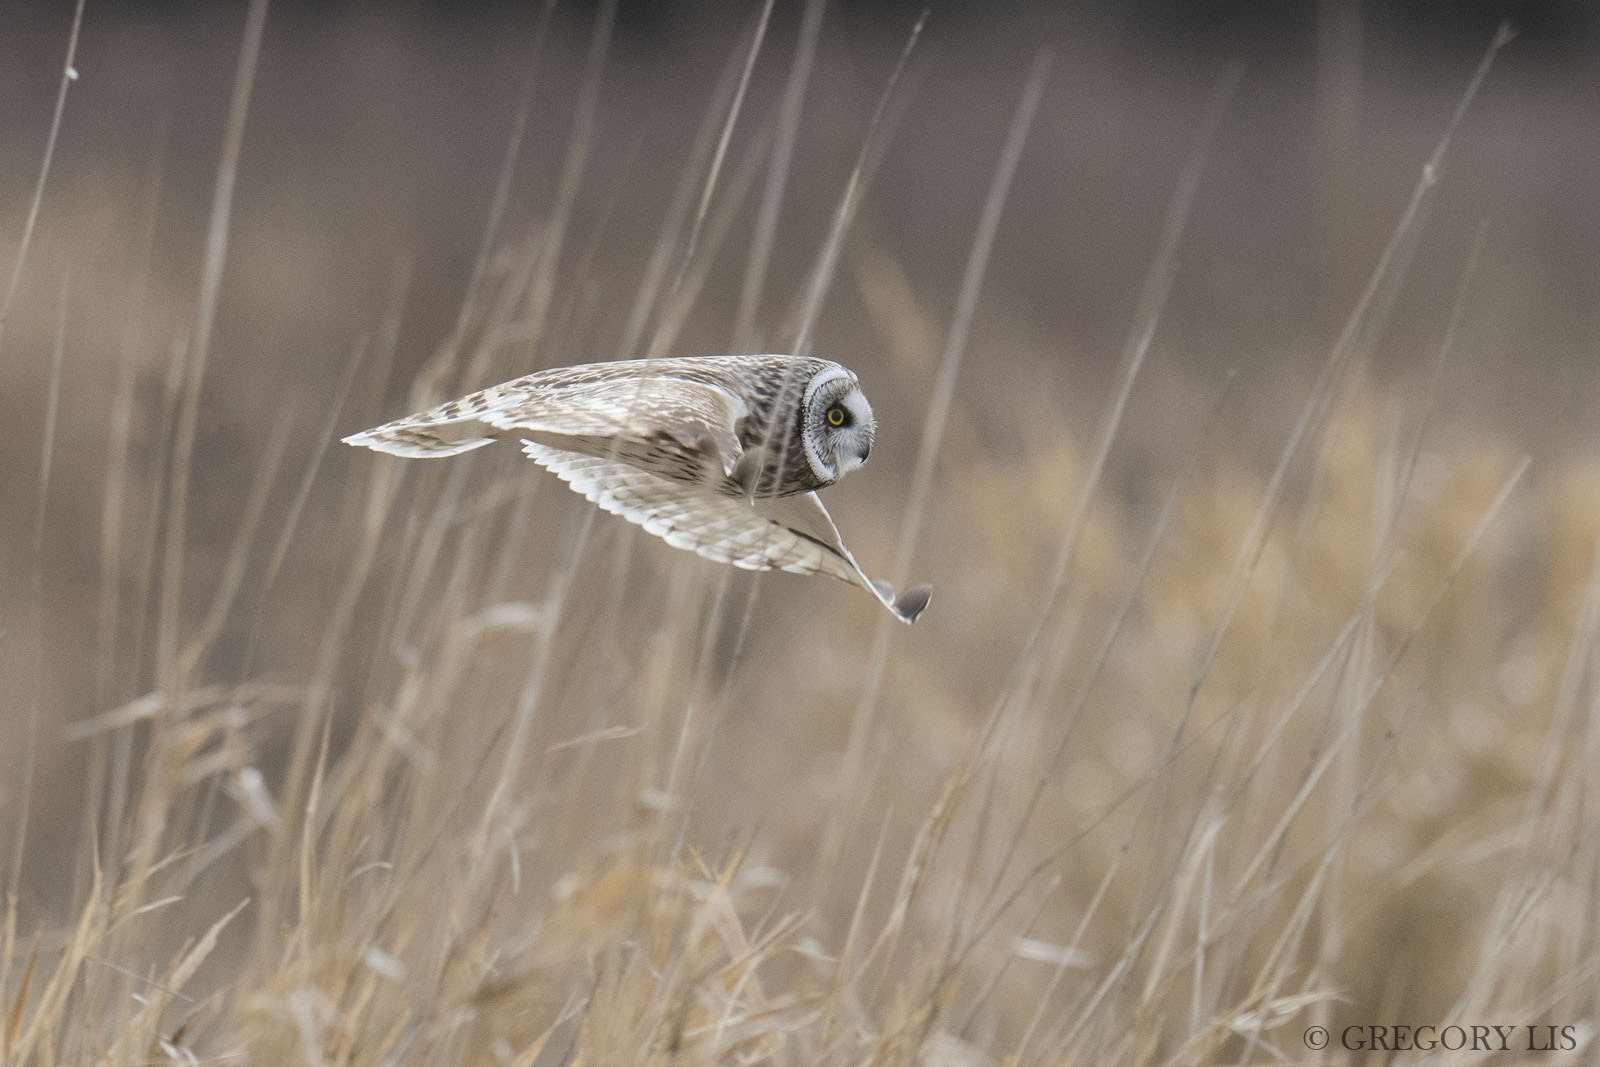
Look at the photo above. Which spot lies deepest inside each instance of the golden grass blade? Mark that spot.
(20, 1001)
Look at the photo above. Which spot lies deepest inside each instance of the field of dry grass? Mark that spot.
(1238, 404)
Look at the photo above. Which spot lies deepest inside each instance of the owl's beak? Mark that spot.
(850, 454)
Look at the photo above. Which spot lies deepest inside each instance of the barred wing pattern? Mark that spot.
(793, 533)
(689, 423)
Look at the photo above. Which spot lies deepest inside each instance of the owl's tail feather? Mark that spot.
(416, 441)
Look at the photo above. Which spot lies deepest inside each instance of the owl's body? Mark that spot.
(718, 454)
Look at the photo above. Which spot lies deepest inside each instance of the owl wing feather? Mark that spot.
(700, 416)
(793, 533)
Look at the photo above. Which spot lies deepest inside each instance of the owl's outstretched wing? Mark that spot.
(580, 411)
(791, 533)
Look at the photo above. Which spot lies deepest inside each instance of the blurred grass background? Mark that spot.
(476, 775)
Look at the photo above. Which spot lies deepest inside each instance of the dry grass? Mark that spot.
(367, 762)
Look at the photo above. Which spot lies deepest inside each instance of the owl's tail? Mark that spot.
(416, 439)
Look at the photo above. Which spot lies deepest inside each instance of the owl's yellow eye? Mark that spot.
(836, 416)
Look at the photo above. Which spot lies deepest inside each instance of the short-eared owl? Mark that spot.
(719, 454)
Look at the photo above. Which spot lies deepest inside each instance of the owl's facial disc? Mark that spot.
(839, 425)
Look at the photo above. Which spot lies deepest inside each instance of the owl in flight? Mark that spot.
(719, 454)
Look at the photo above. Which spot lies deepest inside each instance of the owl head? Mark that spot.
(836, 424)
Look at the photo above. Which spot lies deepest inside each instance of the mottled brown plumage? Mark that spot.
(718, 454)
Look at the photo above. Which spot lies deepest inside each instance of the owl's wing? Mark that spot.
(792, 533)
(700, 416)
